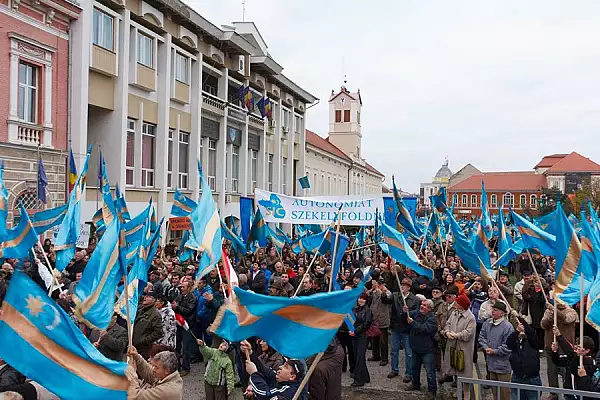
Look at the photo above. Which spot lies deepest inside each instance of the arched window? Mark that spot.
(533, 201)
(493, 201)
(473, 200)
(464, 200)
(30, 201)
(508, 200)
(523, 201)
(455, 199)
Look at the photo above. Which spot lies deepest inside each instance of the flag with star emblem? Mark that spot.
(17, 241)
(47, 347)
(3, 200)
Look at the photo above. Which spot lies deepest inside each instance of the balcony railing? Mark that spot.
(256, 119)
(29, 134)
(213, 101)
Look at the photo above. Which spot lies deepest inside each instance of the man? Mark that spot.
(436, 297)
(567, 320)
(278, 272)
(493, 337)
(73, 284)
(506, 288)
(518, 291)
(147, 328)
(326, 381)
(167, 316)
(307, 287)
(266, 384)
(157, 285)
(288, 289)
(113, 341)
(423, 328)
(583, 349)
(400, 328)
(203, 312)
(159, 377)
(525, 359)
(297, 281)
(381, 318)
(258, 280)
(276, 288)
(173, 291)
(185, 305)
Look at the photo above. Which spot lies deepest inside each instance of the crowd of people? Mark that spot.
(442, 324)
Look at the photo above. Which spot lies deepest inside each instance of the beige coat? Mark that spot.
(567, 320)
(463, 323)
(148, 388)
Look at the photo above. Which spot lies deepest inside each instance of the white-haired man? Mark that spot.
(158, 378)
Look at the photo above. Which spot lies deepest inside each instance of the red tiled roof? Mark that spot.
(325, 145)
(501, 181)
(372, 169)
(550, 160)
(574, 162)
(353, 95)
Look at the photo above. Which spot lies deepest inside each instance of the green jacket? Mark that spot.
(219, 371)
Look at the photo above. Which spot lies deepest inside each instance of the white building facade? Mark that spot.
(156, 89)
(334, 165)
(441, 179)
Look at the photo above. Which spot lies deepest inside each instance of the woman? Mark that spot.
(448, 282)
(343, 335)
(364, 317)
(477, 297)
(269, 356)
(459, 282)
(460, 331)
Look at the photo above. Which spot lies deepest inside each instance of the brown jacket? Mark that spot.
(566, 319)
(146, 387)
(381, 311)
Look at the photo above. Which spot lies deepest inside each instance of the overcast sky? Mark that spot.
(498, 84)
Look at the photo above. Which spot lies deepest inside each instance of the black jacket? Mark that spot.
(398, 317)
(258, 283)
(10, 376)
(172, 293)
(265, 386)
(326, 381)
(364, 319)
(114, 343)
(525, 353)
(422, 332)
(148, 328)
(570, 360)
(186, 307)
(308, 292)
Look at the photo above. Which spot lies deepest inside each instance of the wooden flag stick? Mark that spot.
(538, 279)
(335, 248)
(127, 312)
(581, 316)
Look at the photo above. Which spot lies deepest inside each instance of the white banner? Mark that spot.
(83, 240)
(356, 210)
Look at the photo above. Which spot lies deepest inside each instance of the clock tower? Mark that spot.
(344, 121)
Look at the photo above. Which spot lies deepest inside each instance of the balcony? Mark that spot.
(256, 121)
(236, 112)
(29, 134)
(146, 77)
(104, 61)
(213, 104)
(181, 93)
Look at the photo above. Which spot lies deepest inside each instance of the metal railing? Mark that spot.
(518, 388)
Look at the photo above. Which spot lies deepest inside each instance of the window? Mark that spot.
(284, 175)
(454, 199)
(182, 68)
(473, 200)
(28, 92)
(358, 117)
(463, 200)
(338, 115)
(523, 201)
(212, 164)
(170, 159)
(148, 142)
(235, 168)
(533, 201)
(494, 201)
(286, 119)
(210, 83)
(130, 152)
(183, 156)
(315, 189)
(346, 115)
(145, 50)
(508, 200)
(103, 30)
(298, 124)
(253, 167)
(270, 172)
(329, 185)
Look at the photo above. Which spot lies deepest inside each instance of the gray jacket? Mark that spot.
(494, 337)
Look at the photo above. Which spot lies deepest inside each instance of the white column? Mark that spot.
(222, 143)
(195, 135)
(277, 178)
(163, 63)
(14, 97)
(262, 163)
(47, 124)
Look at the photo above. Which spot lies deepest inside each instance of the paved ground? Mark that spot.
(380, 387)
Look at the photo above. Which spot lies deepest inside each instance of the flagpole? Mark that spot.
(335, 248)
(424, 244)
(317, 359)
(581, 316)
(538, 279)
(128, 311)
(305, 274)
(48, 265)
(362, 247)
